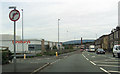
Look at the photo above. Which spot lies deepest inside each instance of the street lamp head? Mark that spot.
(12, 7)
(21, 9)
(58, 19)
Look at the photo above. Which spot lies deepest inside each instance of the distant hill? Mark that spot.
(77, 41)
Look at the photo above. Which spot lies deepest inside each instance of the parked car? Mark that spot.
(116, 51)
(100, 51)
(86, 49)
(81, 49)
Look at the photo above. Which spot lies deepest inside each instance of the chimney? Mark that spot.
(81, 40)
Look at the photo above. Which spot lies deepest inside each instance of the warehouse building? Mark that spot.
(30, 45)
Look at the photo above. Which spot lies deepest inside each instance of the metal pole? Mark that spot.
(14, 41)
(22, 33)
(58, 35)
(14, 46)
(96, 35)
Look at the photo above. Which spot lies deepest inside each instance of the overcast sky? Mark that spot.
(78, 18)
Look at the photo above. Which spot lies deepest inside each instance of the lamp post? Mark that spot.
(13, 7)
(58, 35)
(22, 33)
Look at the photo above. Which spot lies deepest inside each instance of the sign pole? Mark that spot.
(14, 15)
(14, 46)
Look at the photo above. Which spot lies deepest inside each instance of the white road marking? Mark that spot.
(102, 55)
(109, 60)
(34, 62)
(85, 57)
(112, 60)
(38, 59)
(47, 58)
(105, 62)
(92, 63)
(113, 71)
(109, 65)
(65, 56)
(93, 56)
(40, 68)
(104, 70)
(55, 61)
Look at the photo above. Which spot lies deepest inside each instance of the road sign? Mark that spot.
(14, 15)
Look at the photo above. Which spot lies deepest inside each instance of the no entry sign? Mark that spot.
(14, 15)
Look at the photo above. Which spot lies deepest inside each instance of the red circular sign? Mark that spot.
(14, 15)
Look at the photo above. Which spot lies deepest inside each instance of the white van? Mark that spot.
(91, 48)
(116, 51)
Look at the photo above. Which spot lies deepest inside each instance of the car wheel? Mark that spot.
(113, 55)
(118, 55)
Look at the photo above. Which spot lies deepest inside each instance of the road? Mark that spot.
(85, 62)
(31, 64)
(70, 62)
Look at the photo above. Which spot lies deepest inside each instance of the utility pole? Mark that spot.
(58, 35)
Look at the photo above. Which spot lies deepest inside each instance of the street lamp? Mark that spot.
(14, 7)
(22, 33)
(58, 35)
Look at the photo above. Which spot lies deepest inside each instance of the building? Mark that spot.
(102, 42)
(108, 41)
(114, 38)
(30, 45)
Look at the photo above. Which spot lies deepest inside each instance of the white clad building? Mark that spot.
(30, 45)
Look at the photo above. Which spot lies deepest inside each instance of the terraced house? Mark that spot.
(108, 41)
(114, 37)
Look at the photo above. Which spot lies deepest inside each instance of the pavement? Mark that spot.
(31, 64)
(70, 62)
(27, 65)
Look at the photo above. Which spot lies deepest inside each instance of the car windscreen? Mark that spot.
(100, 50)
(118, 47)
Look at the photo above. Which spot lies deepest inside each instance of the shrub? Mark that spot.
(54, 47)
(39, 54)
(6, 56)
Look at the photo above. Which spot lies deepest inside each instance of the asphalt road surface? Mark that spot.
(85, 62)
(70, 62)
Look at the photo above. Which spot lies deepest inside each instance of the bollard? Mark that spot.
(56, 54)
(24, 56)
